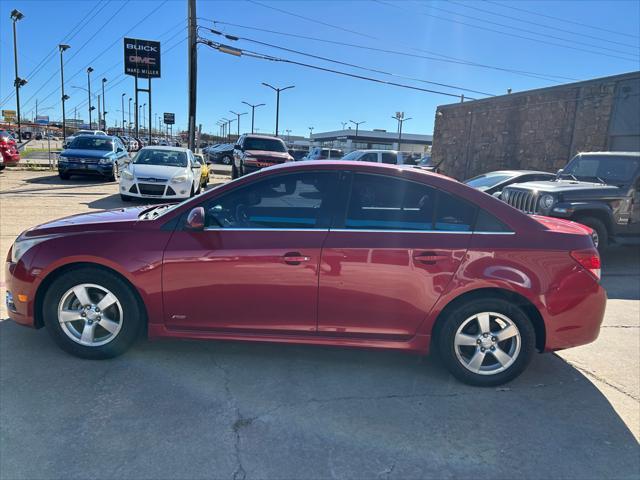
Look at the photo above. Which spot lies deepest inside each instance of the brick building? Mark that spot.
(538, 129)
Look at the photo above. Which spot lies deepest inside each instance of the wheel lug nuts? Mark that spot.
(83, 314)
(97, 309)
(485, 335)
(493, 348)
(493, 339)
(482, 349)
(478, 341)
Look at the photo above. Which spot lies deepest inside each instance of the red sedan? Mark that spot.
(9, 154)
(332, 253)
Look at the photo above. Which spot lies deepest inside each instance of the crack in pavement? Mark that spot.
(597, 377)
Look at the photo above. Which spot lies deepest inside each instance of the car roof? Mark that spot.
(609, 154)
(375, 150)
(516, 172)
(255, 135)
(165, 147)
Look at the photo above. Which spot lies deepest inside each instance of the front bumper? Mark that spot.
(10, 159)
(19, 297)
(77, 168)
(164, 191)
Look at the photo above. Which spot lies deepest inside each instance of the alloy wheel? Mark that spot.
(487, 343)
(90, 315)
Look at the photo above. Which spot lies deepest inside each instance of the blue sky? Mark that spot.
(445, 29)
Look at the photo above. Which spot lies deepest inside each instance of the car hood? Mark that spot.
(267, 153)
(80, 153)
(162, 172)
(565, 186)
(116, 219)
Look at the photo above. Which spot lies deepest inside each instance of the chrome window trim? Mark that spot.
(254, 229)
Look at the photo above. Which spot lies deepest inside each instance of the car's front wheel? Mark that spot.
(487, 342)
(92, 313)
(226, 160)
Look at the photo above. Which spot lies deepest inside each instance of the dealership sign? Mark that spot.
(169, 118)
(142, 58)
(9, 115)
(42, 119)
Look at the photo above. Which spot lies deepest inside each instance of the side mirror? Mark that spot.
(559, 172)
(237, 146)
(195, 166)
(195, 219)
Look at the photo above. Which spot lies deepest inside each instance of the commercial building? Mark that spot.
(347, 140)
(538, 129)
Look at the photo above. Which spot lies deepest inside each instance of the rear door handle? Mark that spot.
(429, 257)
(295, 258)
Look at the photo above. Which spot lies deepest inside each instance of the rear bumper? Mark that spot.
(10, 159)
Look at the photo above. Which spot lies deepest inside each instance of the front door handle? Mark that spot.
(429, 258)
(295, 258)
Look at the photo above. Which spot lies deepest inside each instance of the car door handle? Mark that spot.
(429, 257)
(295, 258)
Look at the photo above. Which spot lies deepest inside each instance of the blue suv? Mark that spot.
(93, 155)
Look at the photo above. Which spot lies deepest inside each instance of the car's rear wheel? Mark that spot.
(92, 313)
(487, 342)
(114, 173)
(64, 176)
(234, 172)
(125, 198)
(599, 236)
(226, 160)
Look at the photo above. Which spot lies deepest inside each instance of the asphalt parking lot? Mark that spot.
(182, 409)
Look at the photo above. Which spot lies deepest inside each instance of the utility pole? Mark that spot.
(62, 47)
(16, 15)
(277, 90)
(253, 111)
(193, 73)
(357, 124)
(400, 118)
(104, 110)
(89, 70)
(238, 117)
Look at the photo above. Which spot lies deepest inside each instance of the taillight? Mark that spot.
(589, 259)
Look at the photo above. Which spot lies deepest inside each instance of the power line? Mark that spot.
(515, 35)
(572, 32)
(446, 59)
(72, 33)
(373, 70)
(546, 35)
(262, 56)
(561, 19)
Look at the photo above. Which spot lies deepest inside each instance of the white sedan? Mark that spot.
(162, 173)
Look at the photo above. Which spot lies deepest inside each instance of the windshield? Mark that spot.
(352, 156)
(607, 169)
(487, 180)
(167, 158)
(86, 142)
(267, 144)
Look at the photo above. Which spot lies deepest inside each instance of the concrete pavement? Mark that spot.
(182, 409)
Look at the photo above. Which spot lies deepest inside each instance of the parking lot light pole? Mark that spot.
(310, 133)
(89, 70)
(62, 47)
(229, 122)
(357, 124)
(16, 15)
(122, 99)
(104, 110)
(399, 116)
(344, 124)
(253, 111)
(129, 124)
(277, 90)
(238, 119)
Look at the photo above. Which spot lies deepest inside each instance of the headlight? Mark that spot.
(127, 175)
(62, 159)
(546, 201)
(21, 245)
(104, 161)
(180, 178)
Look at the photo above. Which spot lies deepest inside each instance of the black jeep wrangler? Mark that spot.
(598, 189)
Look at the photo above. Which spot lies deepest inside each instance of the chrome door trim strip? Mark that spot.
(347, 230)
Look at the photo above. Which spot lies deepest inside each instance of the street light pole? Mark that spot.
(89, 70)
(399, 116)
(62, 48)
(129, 124)
(344, 124)
(104, 110)
(122, 100)
(253, 111)
(18, 82)
(310, 132)
(288, 135)
(277, 90)
(238, 117)
(357, 124)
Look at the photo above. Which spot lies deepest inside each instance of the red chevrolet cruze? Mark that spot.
(331, 253)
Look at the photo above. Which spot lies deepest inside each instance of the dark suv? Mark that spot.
(598, 189)
(253, 152)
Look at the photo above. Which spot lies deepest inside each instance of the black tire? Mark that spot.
(114, 174)
(64, 176)
(125, 198)
(2, 167)
(234, 172)
(601, 236)
(458, 316)
(191, 193)
(133, 316)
